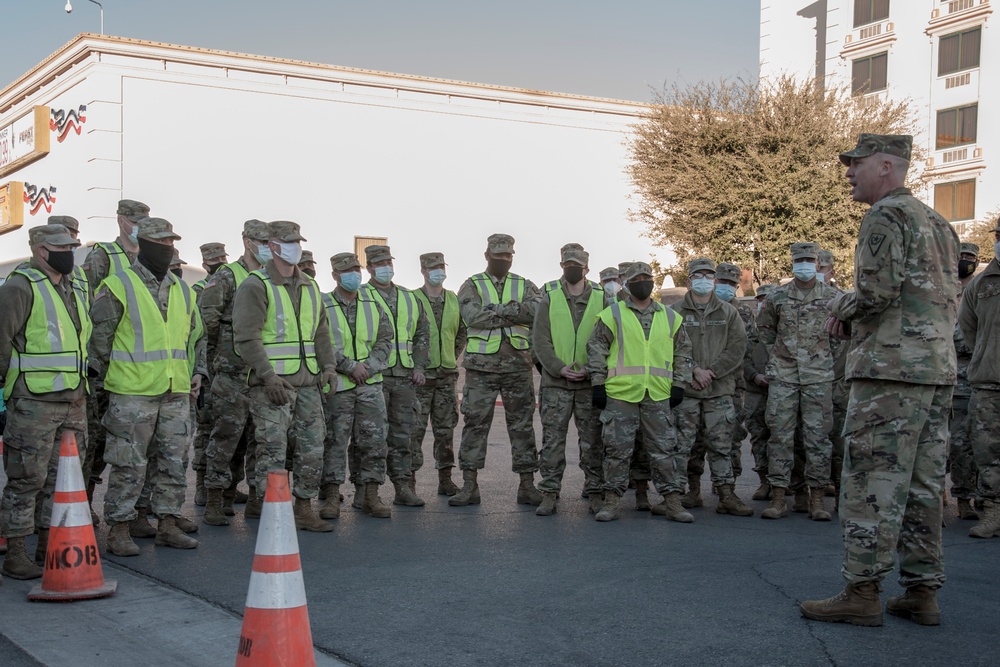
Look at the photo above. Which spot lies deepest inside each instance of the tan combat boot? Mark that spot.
(213, 509)
(693, 497)
(858, 604)
(989, 525)
(200, 492)
(730, 503)
(816, 510)
(800, 505)
(254, 506)
(16, 563)
(330, 509)
(228, 498)
(186, 525)
(169, 535)
(610, 511)
(642, 495)
(672, 509)
(120, 542)
(550, 504)
(763, 491)
(918, 604)
(359, 497)
(373, 505)
(527, 494)
(596, 501)
(140, 525)
(469, 495)
(446, 487)
(778, 509)
(966, 510)
(307, 519)
(405, 495)
(41, 546)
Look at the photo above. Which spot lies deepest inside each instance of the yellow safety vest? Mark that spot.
(289, 338)
(569, 342)
(443, 338)
(355, 344)
(149, 356)
(239, 271)
(404, 324)
(117, 255)
(487, 341)
(55, 353)
(637, 365)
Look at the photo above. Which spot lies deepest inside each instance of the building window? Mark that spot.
(869, 74)
(362, 242)
(956, 201)
(869, 11)
(959, 51)
(957, 126)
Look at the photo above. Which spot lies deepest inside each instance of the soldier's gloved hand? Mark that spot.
(328, 379)
(278, 390)
(676, 396)
(599, 396)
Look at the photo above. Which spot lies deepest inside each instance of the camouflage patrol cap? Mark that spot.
(377, 253)
(805, 251)
(899, 145)
(51, 234)
(574, 252)
(968, 248)
(638, 269)
(67, 221)
(825, 258)
(132, 209)
(701, 264)
(211, 251)
(764, 290)
(306, 258)
(284, 230)
(500, 244)
(727, 271)
(177, 261)
(344, 261)
(256, 230)
(429, 259)
(156, 229)
(609, 273)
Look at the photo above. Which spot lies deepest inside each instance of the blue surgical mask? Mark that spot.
(350, 281)
(725, 292)
(384, 274)
(133, 236)
(263, 253)
(702, 286)
(436, 277)
(821, 277)
(804, 271)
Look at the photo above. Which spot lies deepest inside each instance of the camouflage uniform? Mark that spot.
(961, 460)
(755, 399)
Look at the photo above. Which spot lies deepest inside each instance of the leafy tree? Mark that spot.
(739, 171)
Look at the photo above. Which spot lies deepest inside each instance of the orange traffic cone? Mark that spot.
(72, 564)
(3, 540)
(276, 621)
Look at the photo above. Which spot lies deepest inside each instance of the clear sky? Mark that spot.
(606, 48)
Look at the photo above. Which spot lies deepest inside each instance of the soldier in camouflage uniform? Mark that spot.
(800, 390)
(719, 345)
(901, 366)
(961, 461)
(231, 439)
(308, 264)
(979, 319)
(498, 308)
(610, 284)
(144, 318)
(841, 389)
(407, 361)
(356, 412)
(564, 321)
(280, 330)
(104, 260)
(42, 405)
(755, 400)
(639, 333)
(436, 399)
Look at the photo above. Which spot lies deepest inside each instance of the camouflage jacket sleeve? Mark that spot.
(767, 324)
(523, 312)
(212, 306)
(731, 359)
(879, 267)
(105, 314)
(598, 349)
(96, 266)
(422, 340)
(249, 313)
(968, 321)
(683, 358)
(541, 339)
(473, 313)
(200, 358)
(461, 338)
(378, 358)
(326, 355)
(15, 304)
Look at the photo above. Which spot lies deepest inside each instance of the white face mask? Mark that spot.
(436, 277)
(290, 252)
(133, 236)
(612, 288)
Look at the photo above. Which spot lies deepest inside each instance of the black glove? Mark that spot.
(201, 398)
(676, 396)
(538, 365)
(599, 397)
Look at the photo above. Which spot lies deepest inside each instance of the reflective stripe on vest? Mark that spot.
(117, 255)
(149, 356)
(55, 353)
(355, 344)
(239, 272)
(637, 365)
(443, 337)
(569, 341)
(82, 282)
(487, 341)
(289, 338)
(404, 323)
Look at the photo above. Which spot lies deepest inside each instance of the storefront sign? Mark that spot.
(11, 206)
(24, 140)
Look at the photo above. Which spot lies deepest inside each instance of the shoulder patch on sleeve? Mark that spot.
(874, 243)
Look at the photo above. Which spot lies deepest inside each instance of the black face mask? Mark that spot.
(177, 272)
(966, 267)
(498, 268)
(61, 261)
(309, 272)
(641, 289)
(156, 257)
(212, 268)
(573, 274)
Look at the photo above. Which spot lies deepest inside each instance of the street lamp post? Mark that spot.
(69, 8)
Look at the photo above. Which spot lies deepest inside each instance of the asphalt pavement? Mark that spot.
(496, 585)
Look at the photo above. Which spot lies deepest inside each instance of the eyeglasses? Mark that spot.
(701, 274)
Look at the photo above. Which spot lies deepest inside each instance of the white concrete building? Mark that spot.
(939, 53)
(210, 139)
